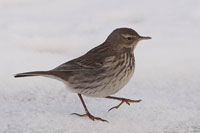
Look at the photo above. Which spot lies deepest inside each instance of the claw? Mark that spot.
(127, 101)
(90, 116)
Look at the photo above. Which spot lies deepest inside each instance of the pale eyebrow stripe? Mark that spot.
(127, 35)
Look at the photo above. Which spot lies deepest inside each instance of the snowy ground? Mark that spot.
(41, 34)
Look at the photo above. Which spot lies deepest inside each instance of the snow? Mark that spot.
(41, 34)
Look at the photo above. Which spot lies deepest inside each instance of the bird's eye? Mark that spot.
(129, 38)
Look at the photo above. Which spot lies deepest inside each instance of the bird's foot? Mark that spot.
(90, 116)
(123, 100)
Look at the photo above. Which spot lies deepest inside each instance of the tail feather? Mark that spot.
(36, 73)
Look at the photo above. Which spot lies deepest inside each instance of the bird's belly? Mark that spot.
(117, 83)
(109, 85)
(114, 77)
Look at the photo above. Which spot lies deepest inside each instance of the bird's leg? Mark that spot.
(127, 101)
(87, 114)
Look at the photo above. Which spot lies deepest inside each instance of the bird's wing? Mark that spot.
(92, 60)
(77, 65)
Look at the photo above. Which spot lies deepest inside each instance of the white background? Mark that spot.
(42, 34)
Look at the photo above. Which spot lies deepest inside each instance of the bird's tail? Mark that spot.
(36, 73)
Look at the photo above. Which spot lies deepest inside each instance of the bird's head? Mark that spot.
(125, 38)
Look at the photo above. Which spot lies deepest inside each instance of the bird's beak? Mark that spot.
(144, 38)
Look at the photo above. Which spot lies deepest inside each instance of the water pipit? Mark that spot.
(102, 71)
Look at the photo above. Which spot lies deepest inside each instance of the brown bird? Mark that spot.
(102, 71)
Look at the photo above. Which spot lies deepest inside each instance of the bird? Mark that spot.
(101, 72)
